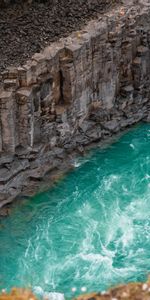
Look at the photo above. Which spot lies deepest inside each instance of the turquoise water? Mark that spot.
(92, 229)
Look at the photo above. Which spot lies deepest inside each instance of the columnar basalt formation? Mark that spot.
(79, 90)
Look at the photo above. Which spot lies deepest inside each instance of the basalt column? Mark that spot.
(7, 118)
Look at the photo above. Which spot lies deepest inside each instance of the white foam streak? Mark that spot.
(49, 296)
(109, 181)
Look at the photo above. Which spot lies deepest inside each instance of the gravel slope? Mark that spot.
(26, 29)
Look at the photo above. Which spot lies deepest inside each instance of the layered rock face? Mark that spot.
(79, 90)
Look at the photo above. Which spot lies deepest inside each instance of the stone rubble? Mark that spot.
(80, 90)
(130, 291)
(27, 26)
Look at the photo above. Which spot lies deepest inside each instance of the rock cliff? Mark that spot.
(79, 90)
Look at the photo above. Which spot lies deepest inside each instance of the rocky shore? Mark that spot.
(80, 90)
(131, 291)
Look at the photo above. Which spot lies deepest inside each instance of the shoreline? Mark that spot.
(56, 175)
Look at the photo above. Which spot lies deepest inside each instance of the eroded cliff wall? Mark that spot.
(80, 90)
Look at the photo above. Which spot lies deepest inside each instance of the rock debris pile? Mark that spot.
(28, 26)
